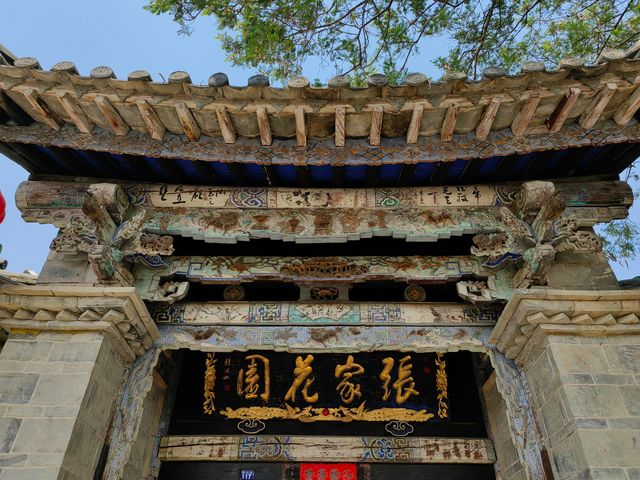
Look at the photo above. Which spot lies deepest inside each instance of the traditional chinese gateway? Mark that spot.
(321, 283)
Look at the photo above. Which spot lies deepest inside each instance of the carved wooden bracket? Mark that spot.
(532, 314)
(531, 232)
(479, 292)
(117, 311)
(108, 235)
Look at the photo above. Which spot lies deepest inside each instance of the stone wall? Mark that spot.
(57, 392)
(508, 466)
(587, 392)
(143, 446)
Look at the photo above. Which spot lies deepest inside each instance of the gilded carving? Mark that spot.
(341, 414)
(210, 384)
(324, 268)
(442, 386)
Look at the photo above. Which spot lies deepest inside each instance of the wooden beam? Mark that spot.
(226, 127)
(628, 109)
(340, 126)
(413, 132)
(561, 113)
(111, 115)
(15, 111)
(188, 123)
(376, 125)
(592, 114)
(154, 125)
(523, 117)
(449, 124)
(263, 126)
(488, 116)
(42, 110)
(301, 127)
(75, 112)
(312, 449)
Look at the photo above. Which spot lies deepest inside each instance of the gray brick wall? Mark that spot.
(587, 394)
(57, 392)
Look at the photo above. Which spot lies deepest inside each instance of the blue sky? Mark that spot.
(124, 37)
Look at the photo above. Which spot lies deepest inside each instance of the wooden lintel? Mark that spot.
(340, 125)
(263, 126)
(376, 125)
(42, 110)
(79, 118)
(111, 115)
(559, 116)
(592, 114)
(523, 117)
(226, 127)
(301, 128)
(628, 109)
(154, 125)
(337, 449)
(188, 123)
(414, 125)
(488, 116)
(449, 123)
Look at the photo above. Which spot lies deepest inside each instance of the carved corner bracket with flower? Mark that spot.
(111, 233)
(531, 232)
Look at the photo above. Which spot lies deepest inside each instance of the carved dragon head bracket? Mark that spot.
(530, 234)
(111, 233)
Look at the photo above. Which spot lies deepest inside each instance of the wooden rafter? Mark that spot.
(523, 117)
(301, 128)
(449, 123)
(488, 116)
(629, 107)
(563, 109)
(152, 122)
(111, 115)
(41, 109)
(75, 112)
(413, 132)
(189, 124)
(226, 127)
(263, 126)
(376, 125)
(592, 114)
(340, 126)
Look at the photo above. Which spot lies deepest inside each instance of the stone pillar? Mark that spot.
(580, 352)
(509, 466)
(60, 374)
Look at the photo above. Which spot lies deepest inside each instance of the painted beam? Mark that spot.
(392, 151)
(298, 313)
(284, 448)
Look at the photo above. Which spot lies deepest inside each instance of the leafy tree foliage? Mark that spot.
(360, 37)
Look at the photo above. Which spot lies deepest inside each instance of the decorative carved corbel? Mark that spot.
(478, 292)
(171, 292)
(526, 235)
(569, 238)
(104, 233)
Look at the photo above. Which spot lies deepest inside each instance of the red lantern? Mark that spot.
(3, 205)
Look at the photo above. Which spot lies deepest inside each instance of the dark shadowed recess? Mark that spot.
(605, 159)
(376, 246)
(280, 471)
